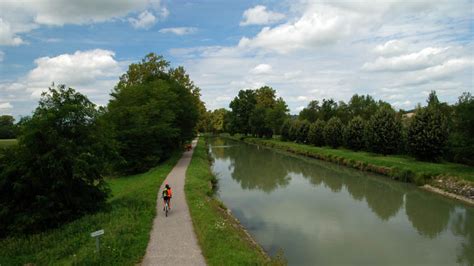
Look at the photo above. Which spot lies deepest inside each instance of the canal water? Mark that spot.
(320, 213)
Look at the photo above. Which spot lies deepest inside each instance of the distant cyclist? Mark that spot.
(167, 195)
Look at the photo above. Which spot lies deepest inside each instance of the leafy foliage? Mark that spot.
(54, 174)
(462, 137)
(384, 131)
(427, 134)
(7, 127)
(316, 133)
(285, 130)
(354, 134)
(153, 112)
(333, 132)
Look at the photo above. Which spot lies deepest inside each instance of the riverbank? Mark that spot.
(457, 181)
(222, 239)
(127, 225)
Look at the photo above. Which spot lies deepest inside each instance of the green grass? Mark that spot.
(388, 165)
(7, 142)
(222, 240)
(127, 224)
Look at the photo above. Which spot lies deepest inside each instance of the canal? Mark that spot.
(320, 213)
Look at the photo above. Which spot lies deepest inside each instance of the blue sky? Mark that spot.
(395, 50)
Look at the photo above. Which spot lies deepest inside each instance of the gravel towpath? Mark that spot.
(172, 239)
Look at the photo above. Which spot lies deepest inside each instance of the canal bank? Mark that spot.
(440, 181)
(321, 213)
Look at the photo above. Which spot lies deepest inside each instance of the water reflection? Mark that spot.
(427, 218)
(325, 204)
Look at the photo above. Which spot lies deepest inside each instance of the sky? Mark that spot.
(394, 50)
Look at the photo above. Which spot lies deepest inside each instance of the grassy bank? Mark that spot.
(7, 142)
(127, 224)
(222, 240)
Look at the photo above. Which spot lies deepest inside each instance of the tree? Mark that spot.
(276, 116)
(294, 130)
(55, 173)
(302, 134)
(427, 134)
(462, 139)
(363, 106)
(333, 132)
(316, 133)
(217, 120)
(7, 127)
(311, 112)
(384, 131)
(328, 109)
(242, 107)
(354, 134)
(153, 113)
(285, 130)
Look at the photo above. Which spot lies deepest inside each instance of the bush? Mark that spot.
(427, 134)
(316, 133)
(54, 174)
(294, 130)
(354, 134)
(333, 132)
(384, 131)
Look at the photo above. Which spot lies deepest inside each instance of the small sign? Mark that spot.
(97, 233)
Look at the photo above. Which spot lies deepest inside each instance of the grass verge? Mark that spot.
(222, 239)
(127, 224)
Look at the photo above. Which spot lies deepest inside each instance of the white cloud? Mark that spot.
(7, 36)
(425, 58)
(259, 15)
(93, 73)
(317, 27)
(392, 47)
(179, 30)
(144, 20)
(262, 69)
(18, 17)
(5, 106)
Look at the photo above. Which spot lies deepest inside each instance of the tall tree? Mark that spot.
(7, 127)
(354, 134)
(333, 132)
(153, 112)
(310, 112)
(384, 131)
(242, 107)
(461, 140)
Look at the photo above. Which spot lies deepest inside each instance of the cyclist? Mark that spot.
(167, 195)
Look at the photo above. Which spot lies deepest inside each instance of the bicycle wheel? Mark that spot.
(166, 209)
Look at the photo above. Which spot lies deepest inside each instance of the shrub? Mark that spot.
(354, 134)
(427, 134)
(333, 132)
(384, 131)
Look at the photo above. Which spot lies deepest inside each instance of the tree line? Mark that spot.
(65, 148)
(435, 132)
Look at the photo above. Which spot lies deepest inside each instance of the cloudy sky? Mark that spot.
(396, 50)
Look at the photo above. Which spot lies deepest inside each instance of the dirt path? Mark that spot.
(172, 239)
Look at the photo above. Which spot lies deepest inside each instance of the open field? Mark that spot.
(222, 240)
(7, 142)
(127, 224)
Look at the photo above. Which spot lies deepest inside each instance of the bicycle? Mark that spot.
(167, 207)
